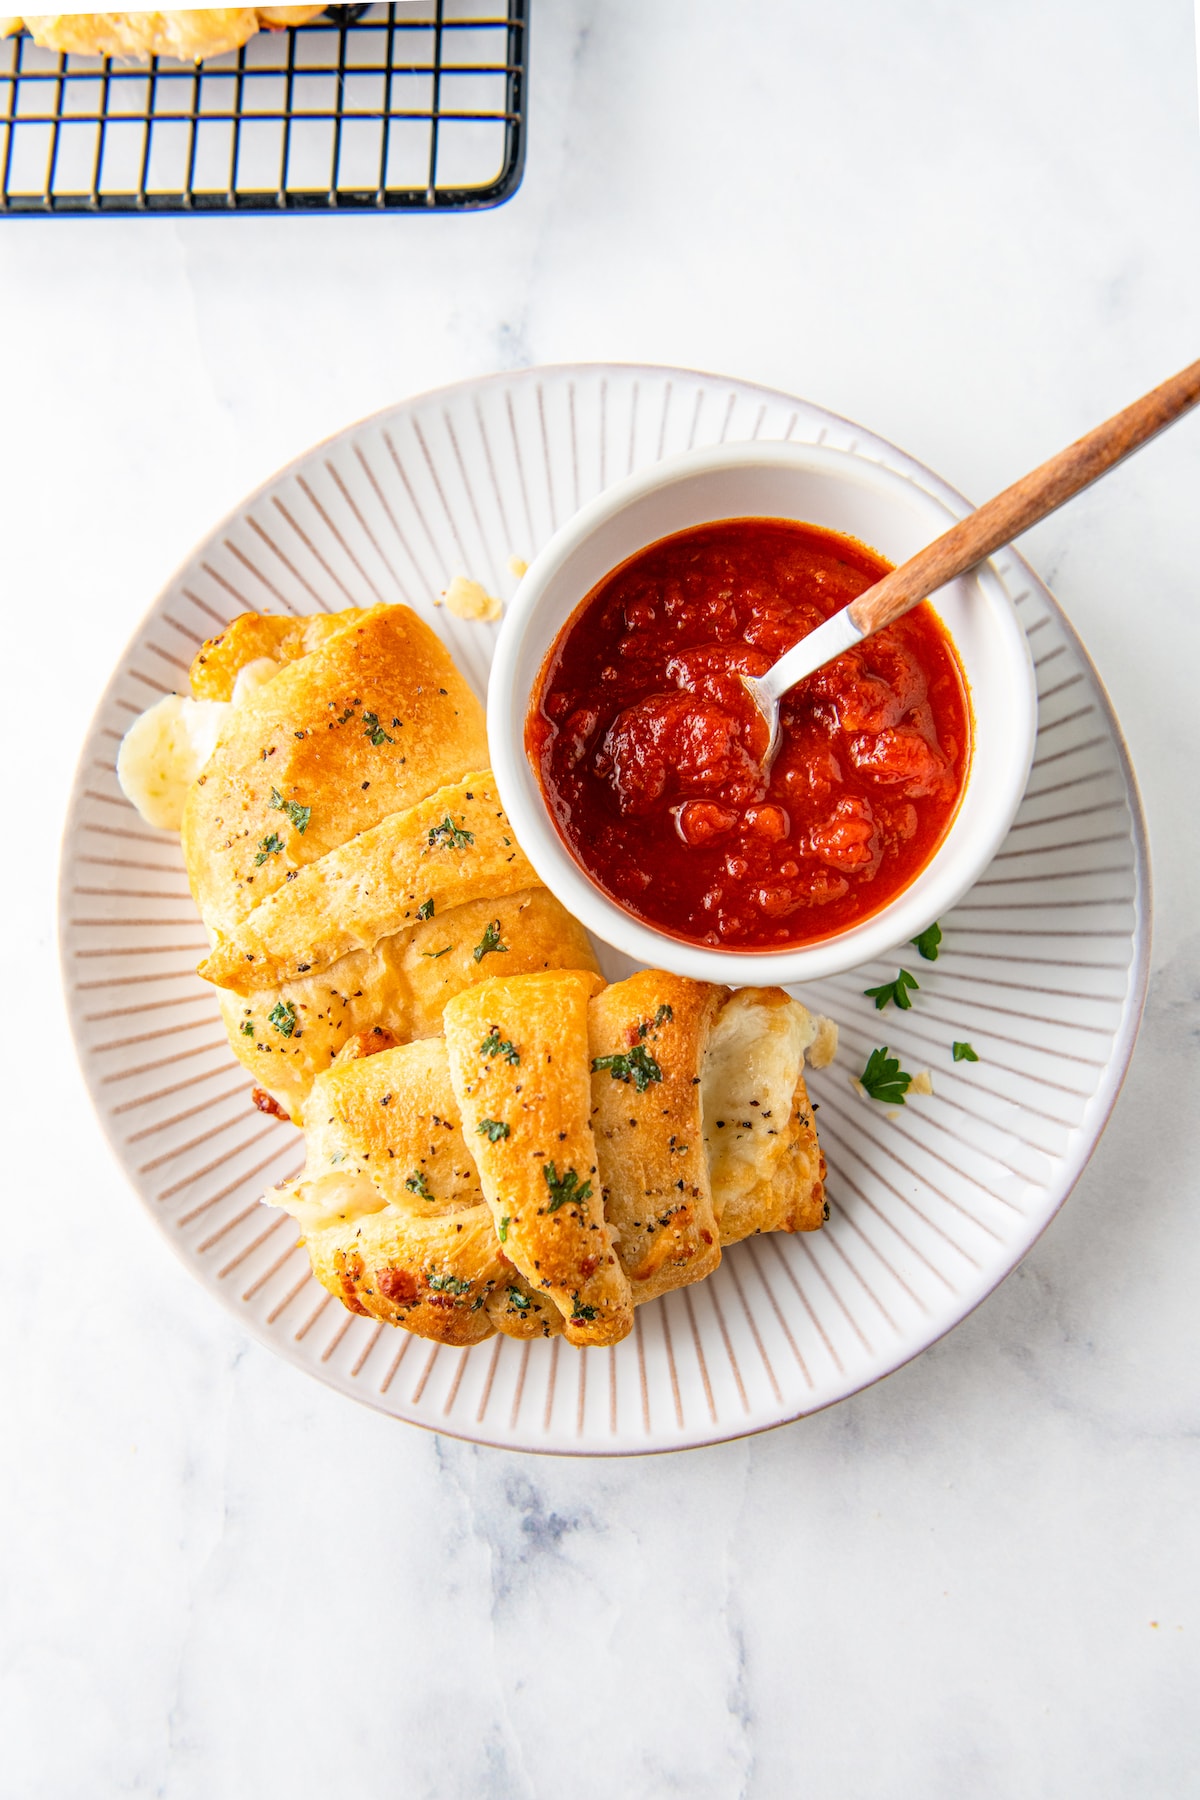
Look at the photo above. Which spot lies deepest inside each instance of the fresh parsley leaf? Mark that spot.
(964, 1053)
(897, 990)
(492, 1129)
(247, 1027)
(928, 942)
(449, 833)
(270, 846)
(502, 1234)
(448, 1284)
(434, 954)
(299, 815)
(521, 1301)
(489, 942)
(283, 1017)
(374, 730)
(582, 1312)
(884, 1079)
(636, 1065)
(417, 1184)
(494, 1045)
(565, 1187)
(425, 910)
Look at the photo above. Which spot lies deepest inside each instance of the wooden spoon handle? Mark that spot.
(1000, 520)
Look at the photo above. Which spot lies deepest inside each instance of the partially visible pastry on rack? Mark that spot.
(565, 1152)
(189, 36)
(342, 837)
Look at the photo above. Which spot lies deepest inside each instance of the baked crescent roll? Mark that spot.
(288, 1034)
(647, 1039)
(365, 724)
(454, 846)
(561, 1156)
(520, 1066)
(397, 1225)
(190, 36)
(342, 837)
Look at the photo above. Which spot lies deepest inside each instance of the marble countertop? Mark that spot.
(975, 230)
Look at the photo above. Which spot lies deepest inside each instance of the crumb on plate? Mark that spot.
(467, 599)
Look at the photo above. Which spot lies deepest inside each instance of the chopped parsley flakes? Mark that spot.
(636, 1065)
(502, 1234)
(269, 846)
(283, 1017)
(494, 1045)
(492, 1129)
(662, 1017)
(897, 990)
(490, 942)
(928, 942)
(883, 1079)
(374, 730)
(417, 1184)
(964, 1052)
(449, 833)
(299, 815)
(565, 1187)
(582, 1312)
(425, 910)
(247, 1027)
(448, 1284)
(521, 1301)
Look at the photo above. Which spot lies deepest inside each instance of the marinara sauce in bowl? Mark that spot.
(648, 749)
(627, 752)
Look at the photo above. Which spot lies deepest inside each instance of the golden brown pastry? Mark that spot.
(647, 1039)
(397, 1223)
(189, 36)
(288, 1034)
(562, 1155)
(369, 721)
(520, 1066)
(342, 836)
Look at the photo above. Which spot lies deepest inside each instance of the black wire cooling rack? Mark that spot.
(368, 108)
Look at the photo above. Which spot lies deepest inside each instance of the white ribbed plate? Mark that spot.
(1043, 966)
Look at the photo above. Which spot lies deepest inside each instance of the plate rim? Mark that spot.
(1124, 1039)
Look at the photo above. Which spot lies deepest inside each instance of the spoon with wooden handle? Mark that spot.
(974, 539)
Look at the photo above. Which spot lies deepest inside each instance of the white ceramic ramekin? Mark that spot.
(845, 493)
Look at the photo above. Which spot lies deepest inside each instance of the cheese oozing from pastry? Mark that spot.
(329, 1199)
(746, 1084)
(165, 749)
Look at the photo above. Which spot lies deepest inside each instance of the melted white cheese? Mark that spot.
(254, 675)
(748, 1077)
(331, 1199)
(163, 752)
(165, 749)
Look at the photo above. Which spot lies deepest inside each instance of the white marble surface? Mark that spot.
(975, 229)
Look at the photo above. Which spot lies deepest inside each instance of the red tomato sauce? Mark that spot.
(647, 745)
